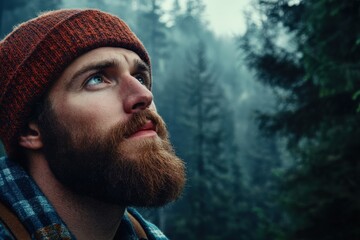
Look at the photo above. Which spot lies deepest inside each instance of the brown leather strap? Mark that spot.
(138, 228)
(13, 223)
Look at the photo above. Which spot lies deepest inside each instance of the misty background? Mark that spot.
(261, 99)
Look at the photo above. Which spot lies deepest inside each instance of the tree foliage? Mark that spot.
(199, 113)
(316, 77)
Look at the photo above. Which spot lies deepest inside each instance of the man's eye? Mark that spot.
(141, 79)
(94, 80)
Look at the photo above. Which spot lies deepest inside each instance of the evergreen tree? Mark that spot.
(316, 78)
(210, 153)
(153, 33)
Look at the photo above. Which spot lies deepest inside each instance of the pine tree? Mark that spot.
(209, 150)
(153, 33)
(316, 78)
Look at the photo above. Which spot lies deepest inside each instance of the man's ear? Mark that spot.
(31, 138)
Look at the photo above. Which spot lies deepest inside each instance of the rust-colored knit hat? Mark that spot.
(36, 53)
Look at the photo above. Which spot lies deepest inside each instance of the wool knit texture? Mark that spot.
(36, 53)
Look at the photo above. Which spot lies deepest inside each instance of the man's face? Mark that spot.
(102, 135)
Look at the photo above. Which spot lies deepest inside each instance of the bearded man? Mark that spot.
(80, 128)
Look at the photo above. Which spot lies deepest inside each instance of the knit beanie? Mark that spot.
(36, 53)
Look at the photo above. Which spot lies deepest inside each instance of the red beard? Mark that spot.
(112, 167)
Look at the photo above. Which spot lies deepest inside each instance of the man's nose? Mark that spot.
(136, 96)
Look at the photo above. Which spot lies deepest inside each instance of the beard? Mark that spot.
(110, 166)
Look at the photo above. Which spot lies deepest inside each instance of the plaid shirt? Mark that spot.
(20, 192)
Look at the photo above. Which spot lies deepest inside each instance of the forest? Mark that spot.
(267, 122)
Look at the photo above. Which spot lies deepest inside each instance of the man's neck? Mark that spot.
(86, 217)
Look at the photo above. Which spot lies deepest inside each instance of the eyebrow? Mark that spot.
(94, 67)
(139, 66)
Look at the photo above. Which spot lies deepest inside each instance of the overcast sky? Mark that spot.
(225, 17)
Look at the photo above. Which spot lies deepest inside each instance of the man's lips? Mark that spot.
(147, 130)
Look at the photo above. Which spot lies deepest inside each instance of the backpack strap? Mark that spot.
(13, 223)
(140, 232)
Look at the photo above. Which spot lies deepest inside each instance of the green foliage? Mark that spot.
(331, 52)
(323, 190)
(153, 32)
(316, 76)
(212, 170)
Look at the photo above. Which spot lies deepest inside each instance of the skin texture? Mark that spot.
(117, 98)
(100, 146)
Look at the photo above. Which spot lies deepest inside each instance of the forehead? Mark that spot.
(102, 54)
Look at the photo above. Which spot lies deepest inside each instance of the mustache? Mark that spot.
(124, 130)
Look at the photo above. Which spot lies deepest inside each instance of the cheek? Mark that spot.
(96, 113)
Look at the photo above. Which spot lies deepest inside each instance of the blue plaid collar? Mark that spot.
(23, 196)
(20, 192)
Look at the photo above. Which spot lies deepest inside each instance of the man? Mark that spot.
(80, 127)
